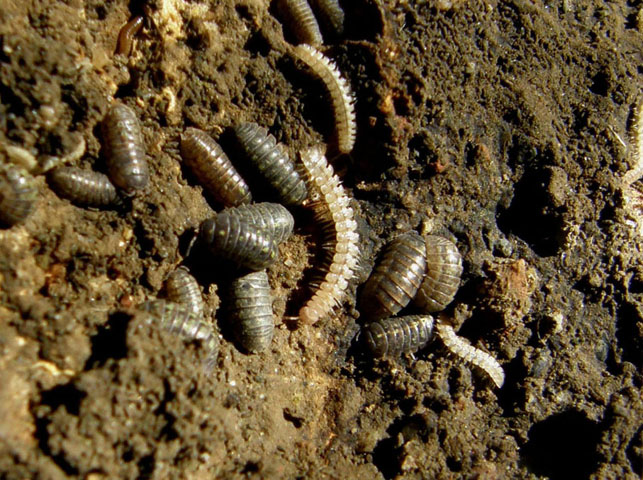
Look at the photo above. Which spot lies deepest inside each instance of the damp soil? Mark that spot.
(501, 125)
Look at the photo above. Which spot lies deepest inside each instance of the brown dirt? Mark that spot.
(495, 123)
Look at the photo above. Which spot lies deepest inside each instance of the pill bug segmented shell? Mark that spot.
(83, 187)
(212, 168)
(178, 319)
(336, 217)
(394, 336)
(182, 288)
(124, 148)
(17, 194)
(127, 34)
(339, 90)
(396, 279)
(470, 354)
(272, 218)
(246, 245)
(330, 14)
(301, 21)
(272, 162)
(251, 311)
(443, 271)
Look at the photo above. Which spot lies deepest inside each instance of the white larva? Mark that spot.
(333, 212)
(470, 354)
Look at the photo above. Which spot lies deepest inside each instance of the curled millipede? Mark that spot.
(17, 194)
(272, 162)
(394, 336)
(251, 310)
(396, 279)
(300, 19)
(331, 15)
(125, 151)
(340, 94)
(273, 218)
(180, 320)
(182, 288)
(213, 169)
(83, 187)
(333, 212)
(443, 271)
(246, 245)
(127, 34)
(470, 354)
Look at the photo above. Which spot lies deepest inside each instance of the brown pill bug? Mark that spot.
(125, 150)
(17, 194)
(272, 162)
(443, 272)
(272, 218)
(212, 168)
(331, 15)
(127, 34)
(246, 245)
(179, 320)
(396, 279)
(83, 187)
(394, 336)
(300, 19)
(251, 311)
(182, 288)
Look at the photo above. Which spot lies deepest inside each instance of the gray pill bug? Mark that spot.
(301, 21)
(244, 244)
(17, 194)
(182, 288)
(124, 149)
(211, 166)
(83, 187)
(331, 15)
(251, 311)
(179, 320)
(443, 272)
(396, 279)
(272, 163)
(394, 336)
(272, 218)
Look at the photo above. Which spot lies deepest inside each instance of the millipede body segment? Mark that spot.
(182, 288)
(394, 336)
(84, 187)
(301, 21)
(17, 194)
(272, 218)
(127, 34)
(251, 311)
(331, 15)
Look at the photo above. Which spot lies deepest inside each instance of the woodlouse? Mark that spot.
(396, 279)
(213, 169)
(125, 151)
(83, 187)
(443, 271)
(300, 19)
(272, 218)
(17, 194)
(127, 34)
(394, 336)
(182, 288)
(251, 310)
(336, 217)
(339, 91)
(246, 245)
(272, 162)
(331, 15)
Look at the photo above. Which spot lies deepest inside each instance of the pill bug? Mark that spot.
(17, 194)
(211, 166)
(334, 214)
(272, 162)
(396, 279)
(124, 149)
(342, 99)
(394, 336)
(470, 354)
(251, 311)
(246, 245)
(300, 19)
(182, 288)
(179, 320)
(83, 187)
(127, 34)
(330, 14)
(273, 218)
(443, 271)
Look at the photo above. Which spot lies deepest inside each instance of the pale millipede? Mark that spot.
(17, 194)
(331, 15)
(212, 168)
(339, 91)
(83, 187)
(470, 354)
(300, 19)
(396, 278)
(333, 212)
(394, 336)
(251, 311)
(182, 288)
(127, 34)
(124, 149)
(272, 218)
